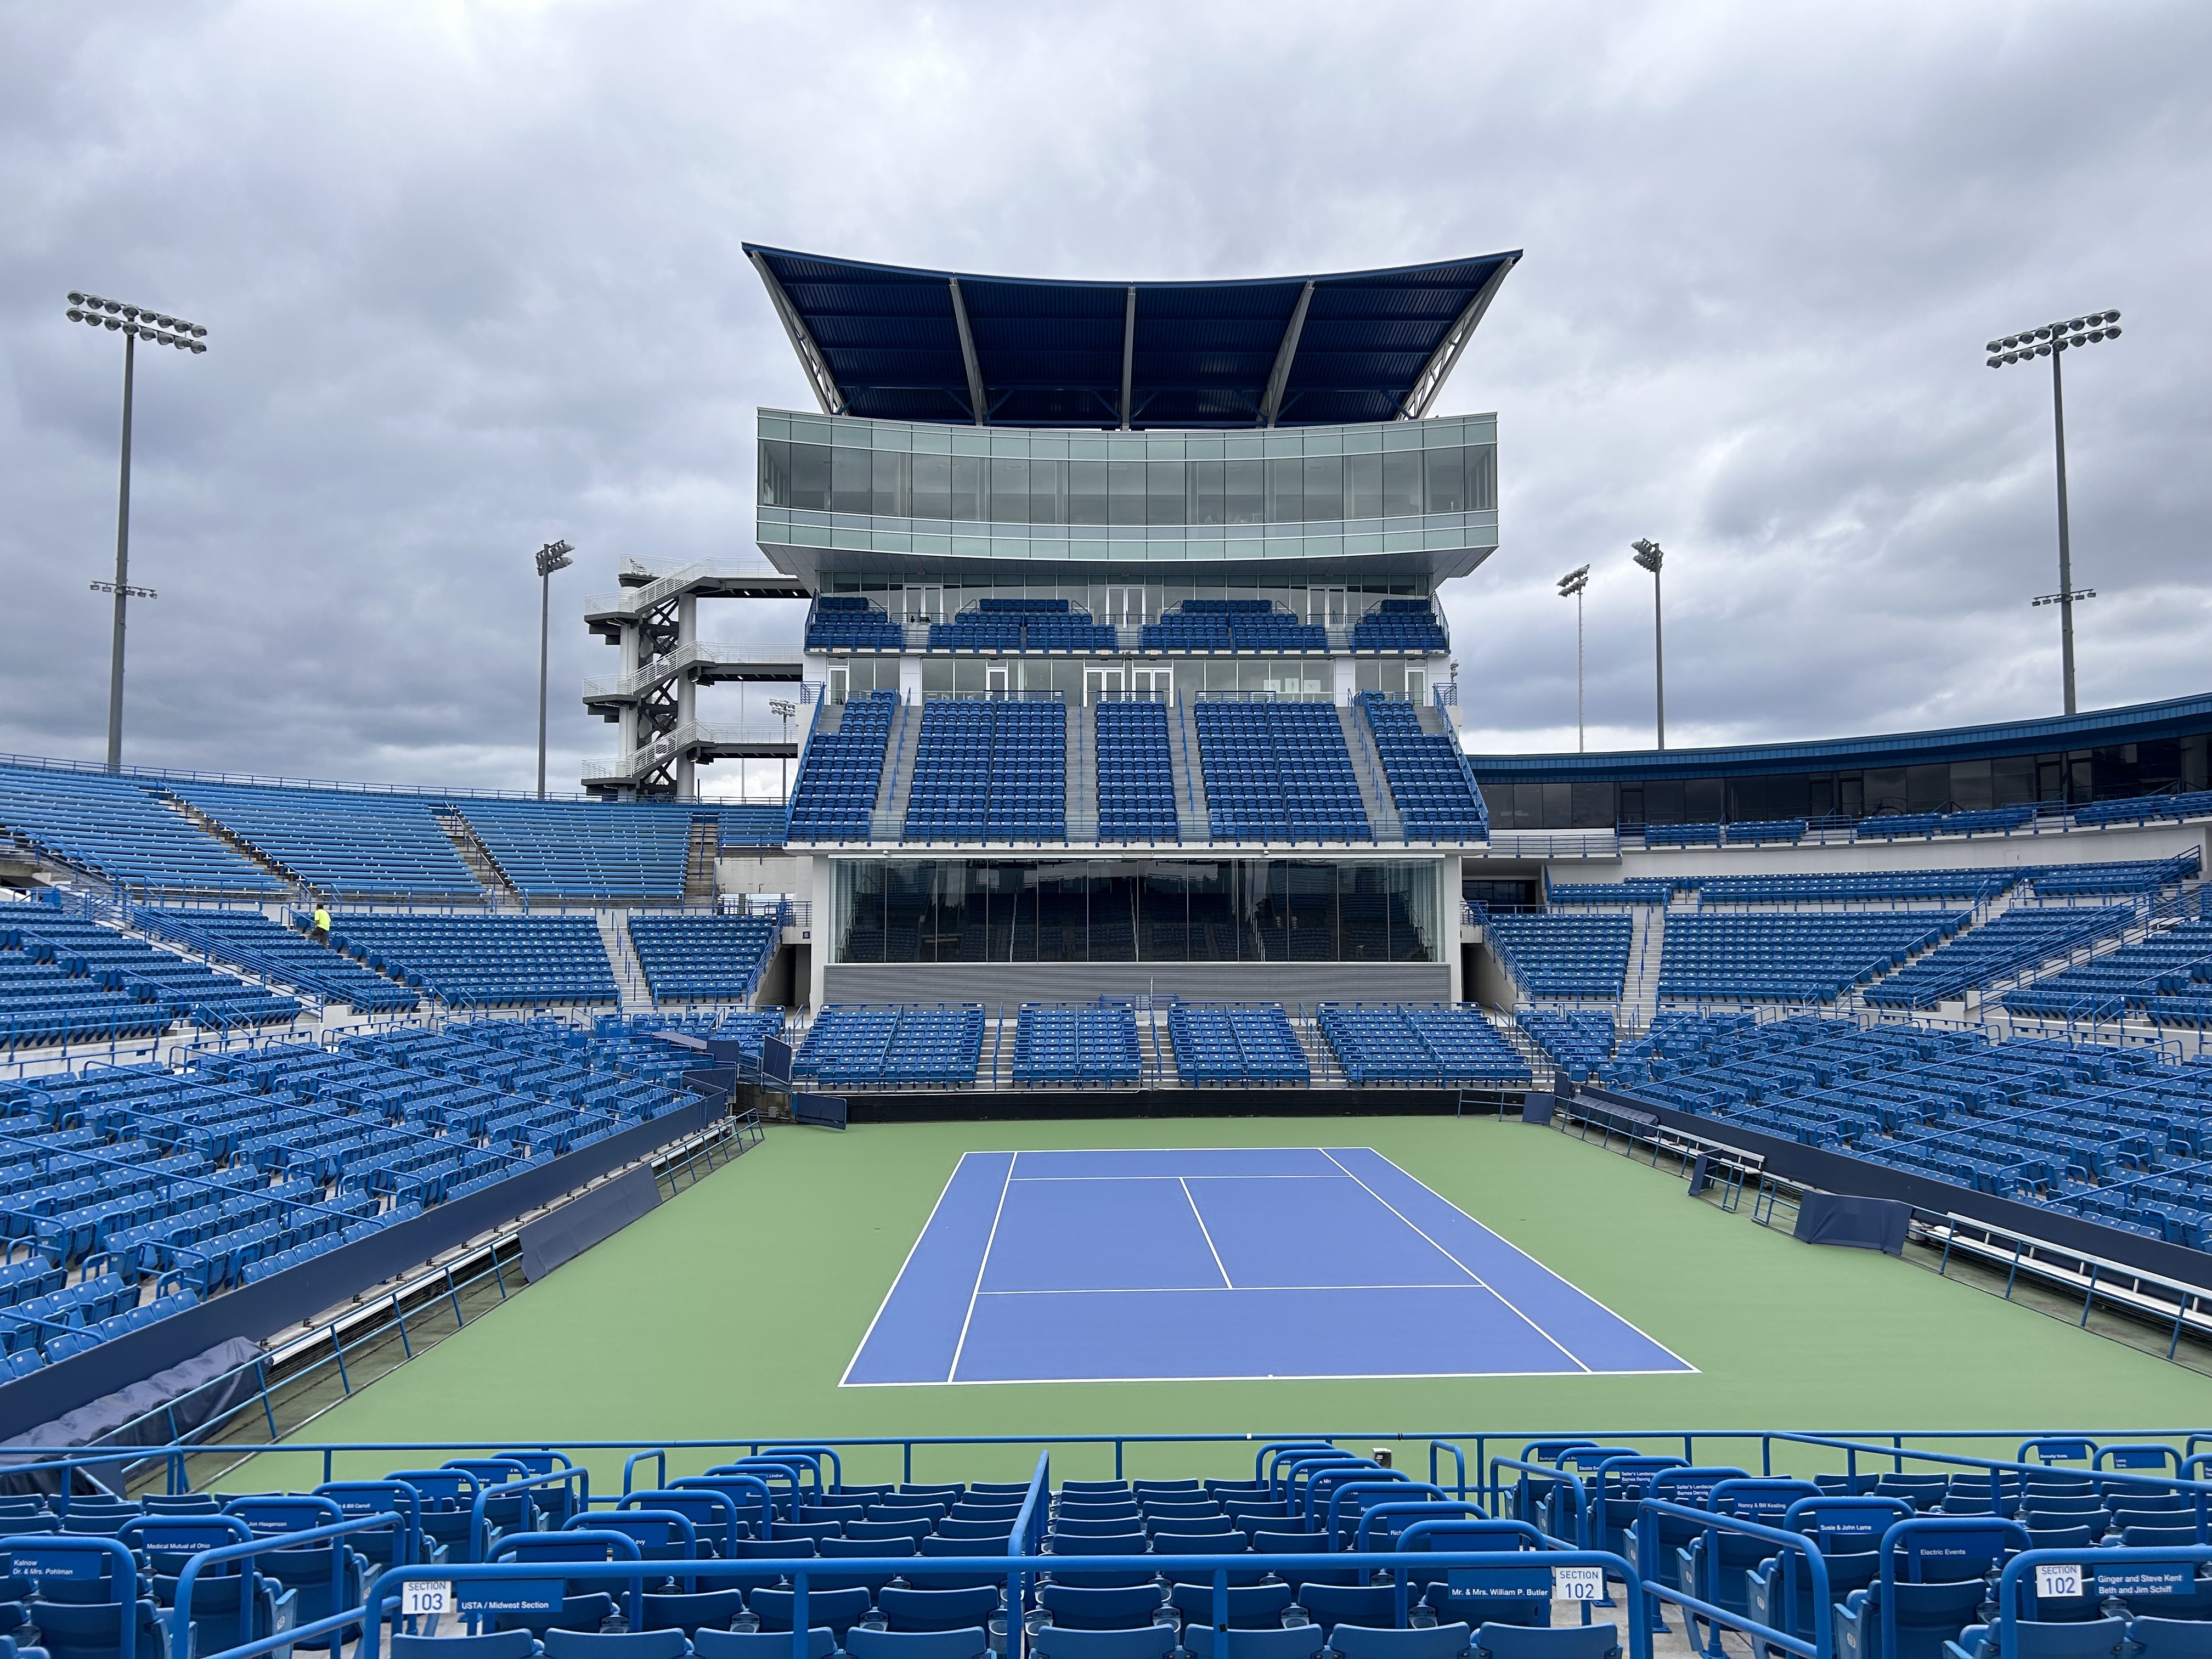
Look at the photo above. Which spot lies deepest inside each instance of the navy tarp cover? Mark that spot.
(1860, 1223)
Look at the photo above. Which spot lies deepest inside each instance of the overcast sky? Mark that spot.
(473, 280)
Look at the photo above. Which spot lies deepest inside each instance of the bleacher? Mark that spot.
(609, 850)
(188, 990)
(120, 831)
(251, 934)
(1428, 780)
(841, 771)
(2148, 808)
(1853, 886)
(2017, 939)
(759, 825)
(1278, 771)
(713, 958)
(1565, 955)
(1577, 1040)
(1636, 890)
(1408, 626)
(1136, 773)
(1232, 625)
(492, 960)
(1011, 626)
(1090, 1045)
(2136, 975)
(1762, 832)
(846, 621)
(48, 993)
(1249, 1043)
(929, 1046)
(1809, 956)
(989, 769)
(2144, 876)
(1434, 1044)
(346, 844)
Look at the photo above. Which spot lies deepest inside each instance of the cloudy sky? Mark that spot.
(473, 280)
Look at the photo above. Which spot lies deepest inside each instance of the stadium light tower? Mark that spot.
(2054, 340)
(553, 557)
(133, 323)
(1650, 557)
(1571, 588)
(783, 708)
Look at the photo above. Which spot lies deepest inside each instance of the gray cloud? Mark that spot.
(473, 279)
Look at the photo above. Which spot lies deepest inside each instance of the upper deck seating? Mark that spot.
(341, 841)
(2148, 808)
(1136, 773)
(1018, 625)
(1428, 781)
(585, 849)
(1232, 625)
(846, 621)
(118, 830)
(1409, 626)
(1279, 771)
(1636, 890)
(840, 772)
(989, 769)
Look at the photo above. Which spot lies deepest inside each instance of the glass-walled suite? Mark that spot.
(1128, 604)
(892, 910)
(1088, 682)
(2075, 779)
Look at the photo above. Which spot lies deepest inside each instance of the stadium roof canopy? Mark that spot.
(892, 343)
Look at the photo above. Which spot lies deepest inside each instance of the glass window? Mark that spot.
(1212, 919)
(1324, 487)
(810, 477)
(933, 486)
(1124, 489)
(2012, 780)
(1444, 475)
(775, 472)
(861, 911)
(1163, 493)
(1482, 478)
(1972, 785)
(1010, 490)
(852, 481)
(1113, 914)
(1208, 479)
(1086, 492)
(1048, 491)
(1285, 492)
(1060, 894)
(967, 493)
(1164, 914)
(1401, 482)
(892, 499)
(1701, 801)
(1363, 486)
(909, 903)
(1245, 495)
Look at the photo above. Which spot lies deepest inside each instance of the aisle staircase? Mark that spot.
(621, 956)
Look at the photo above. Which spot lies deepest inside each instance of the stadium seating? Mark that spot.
(989, 769)
(1682, 835)
(1636, 890)
(2134, 876)
(2019, 938)
(346, 843)
(249, 939)
(1232, 625)
(1578, 1041)
(493, 960)
(761, 824)
(2137, 975)
(1278, 771)
(1760, 832)
(1431, 1043)
(48, 996)
(1429, 780)
(1809, 956)
(585, 849)
(840, 772)
(1136, 773)
(1095, 1045)
(1016, 625)
(1407, 626)
(1984, 821)
(1565, 955)
(81, 957)
(2148, 808)
(1853, 886)
(703, 958)
(893, 1046)
(846, 621)
(120, 831)
(1235, 1043)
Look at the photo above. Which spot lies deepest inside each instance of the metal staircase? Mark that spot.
(498, 892)
(1367, 767)
(1647, 943)
(629, 973)
(1191, 816)
(701, 856)
(887, 822)
(1082, 804)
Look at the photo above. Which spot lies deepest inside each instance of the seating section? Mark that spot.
(1136, 773)
(2138, 876)
(1849, 886)
(585, 849)
(1093, 1046)
(120, 831)
(1232, 625)
(846, 621)
(2112, 1135)
(49, 994)
(1982, 821)
(2164, 975)
(1565, 955)
(154, 1187)
(1232, 1042)
(250, 940)
(840, 772)
(893, 1046)
(1636, 890)
(492, 960)
(1429, 781)
(1761, 832)
(1278, 771)
(2018, 939)
(757, 825)
(1017, 625)
(989, 770)
(346, 843)
(1808, 957)
(1435, 1044)
(1409, 626)
(126, 970)
(2148, 808)
(1682, 835)
(703, 958)
(1579, 1041)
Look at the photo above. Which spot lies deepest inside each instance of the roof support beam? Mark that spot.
(1435, 372)
(967, 354)
(1129, 351)
(826, 390)
(1271, 404)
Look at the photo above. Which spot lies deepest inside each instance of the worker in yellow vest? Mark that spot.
(322, 933)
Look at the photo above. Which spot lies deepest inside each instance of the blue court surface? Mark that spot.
(1293, 1261)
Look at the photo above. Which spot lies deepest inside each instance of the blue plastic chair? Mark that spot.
(863, 1642)
(1063, 1642)
(1387, 1642)
(1599, 1641)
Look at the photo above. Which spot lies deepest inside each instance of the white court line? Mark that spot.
(842, 1381)
(1226, 1283)
(1046, 1180)
(1241, 1290)
(1456, 1262)
(953, 1369)
(1279, 1376)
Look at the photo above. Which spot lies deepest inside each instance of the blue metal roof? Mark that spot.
(2099, 729)
(886, 341)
